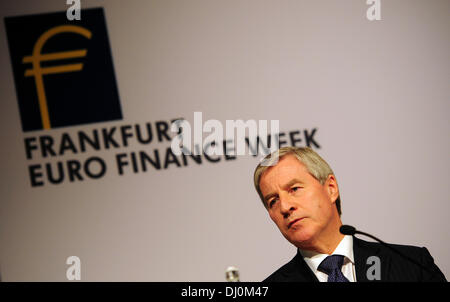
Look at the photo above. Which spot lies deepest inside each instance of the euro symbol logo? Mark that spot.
(37, 57)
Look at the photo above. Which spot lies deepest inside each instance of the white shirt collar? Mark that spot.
(344, 248)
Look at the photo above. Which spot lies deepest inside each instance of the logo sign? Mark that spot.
(63, 71)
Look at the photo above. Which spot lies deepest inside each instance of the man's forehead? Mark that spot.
(286, 164)
(287, 169)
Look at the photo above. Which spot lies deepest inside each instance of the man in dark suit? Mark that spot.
(301, 195)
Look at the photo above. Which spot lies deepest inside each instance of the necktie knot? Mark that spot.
(332, 267)
(331, 263)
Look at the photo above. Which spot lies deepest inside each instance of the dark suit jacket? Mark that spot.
(393, 266)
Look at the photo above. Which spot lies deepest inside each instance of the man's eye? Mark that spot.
(272, 202)
(294, 189)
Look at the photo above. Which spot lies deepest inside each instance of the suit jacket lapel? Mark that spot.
(298, 271)
(362, 250)
(361, 254)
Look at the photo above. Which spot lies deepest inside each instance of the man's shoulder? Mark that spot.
(399, 262)
(293, 271)
(279, 274)
(378, 247)
(397, 251)
(395, 266)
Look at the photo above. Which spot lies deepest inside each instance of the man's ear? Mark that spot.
(332, 188)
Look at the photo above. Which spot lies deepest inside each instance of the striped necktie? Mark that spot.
(332, 267)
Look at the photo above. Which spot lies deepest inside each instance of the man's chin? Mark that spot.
(300, 239)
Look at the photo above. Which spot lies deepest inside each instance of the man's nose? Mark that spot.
(287, 206)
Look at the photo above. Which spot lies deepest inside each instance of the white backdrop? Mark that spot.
(376, 91)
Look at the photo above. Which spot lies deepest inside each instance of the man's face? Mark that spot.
(300, 206)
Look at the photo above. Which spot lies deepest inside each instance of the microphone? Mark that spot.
(347, 230)
(350, 230)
